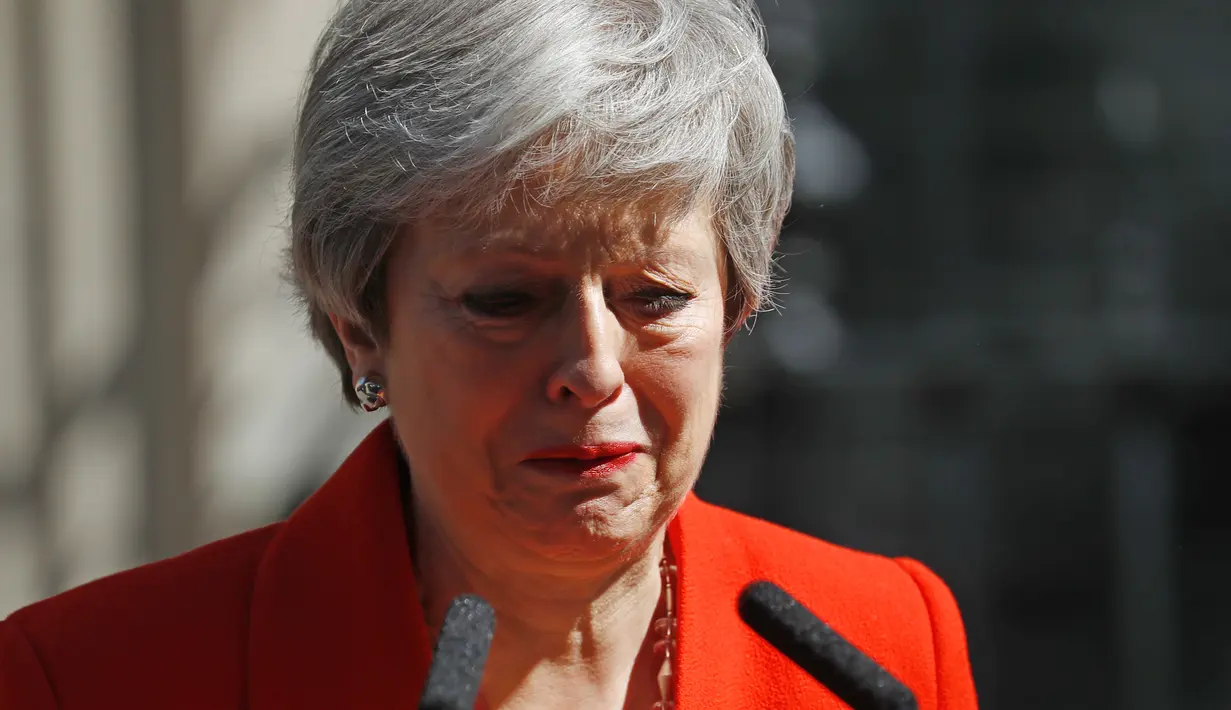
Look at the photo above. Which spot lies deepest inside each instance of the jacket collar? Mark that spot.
(335, 615)
(336, 620)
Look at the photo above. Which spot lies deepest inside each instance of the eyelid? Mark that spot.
(658, 288)
(506, 303)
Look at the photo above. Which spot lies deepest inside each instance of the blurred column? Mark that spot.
(165, 252)
(73, 294)
(39, 395)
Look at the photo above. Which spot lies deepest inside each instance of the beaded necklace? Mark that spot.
(667, 629)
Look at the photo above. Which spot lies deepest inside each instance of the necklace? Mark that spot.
(667, 630)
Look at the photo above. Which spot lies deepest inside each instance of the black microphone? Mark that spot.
(833, 661)
(460, 654)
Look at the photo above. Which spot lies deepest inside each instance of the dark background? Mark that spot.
(1005, 341)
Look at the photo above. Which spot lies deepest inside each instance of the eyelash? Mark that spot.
(661, 303)
(508, 305)
(500, 305)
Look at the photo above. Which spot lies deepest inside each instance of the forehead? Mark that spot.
(591, 233)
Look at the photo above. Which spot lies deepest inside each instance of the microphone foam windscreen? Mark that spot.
(828, 657)
(461, 652)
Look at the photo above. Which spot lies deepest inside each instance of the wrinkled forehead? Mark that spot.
(594, 231)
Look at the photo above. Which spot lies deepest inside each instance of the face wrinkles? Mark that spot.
(516, 340)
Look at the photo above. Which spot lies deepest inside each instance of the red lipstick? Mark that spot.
(590, 461)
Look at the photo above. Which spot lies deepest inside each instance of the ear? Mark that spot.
(363, 353)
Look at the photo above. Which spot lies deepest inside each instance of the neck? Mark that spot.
(576, 636)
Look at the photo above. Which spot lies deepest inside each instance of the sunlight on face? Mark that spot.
(579, 329)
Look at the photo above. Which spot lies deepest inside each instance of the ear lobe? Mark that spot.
(363, 354)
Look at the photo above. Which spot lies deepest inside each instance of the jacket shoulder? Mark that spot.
(896, 610)
(180, 622)
(789, 557)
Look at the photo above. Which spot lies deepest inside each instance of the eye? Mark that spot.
(499, 304)
(658, 303)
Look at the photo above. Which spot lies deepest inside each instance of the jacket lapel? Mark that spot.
(715, 648)
(722, 662)
(336, 620)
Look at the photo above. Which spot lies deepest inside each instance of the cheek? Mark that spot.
(683, 382)
(449, 395)
(456, 391)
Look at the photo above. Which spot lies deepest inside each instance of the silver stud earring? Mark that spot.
(371, 392)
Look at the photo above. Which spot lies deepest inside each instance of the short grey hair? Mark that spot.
(421, 109)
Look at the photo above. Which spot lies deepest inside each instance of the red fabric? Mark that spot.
(322, 612)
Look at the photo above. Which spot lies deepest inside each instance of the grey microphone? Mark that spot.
(460, 655)
(833, 661)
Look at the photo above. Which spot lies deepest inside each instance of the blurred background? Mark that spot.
(1004, 346)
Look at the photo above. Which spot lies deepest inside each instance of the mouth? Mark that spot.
(584, 462)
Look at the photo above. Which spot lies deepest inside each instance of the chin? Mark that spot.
(594, 529)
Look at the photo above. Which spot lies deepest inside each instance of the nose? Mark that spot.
(589, 372)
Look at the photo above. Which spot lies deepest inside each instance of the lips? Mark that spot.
(592, 461)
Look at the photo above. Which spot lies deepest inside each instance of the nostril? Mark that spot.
(590, 382)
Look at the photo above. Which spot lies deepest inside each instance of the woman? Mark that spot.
(528, 228)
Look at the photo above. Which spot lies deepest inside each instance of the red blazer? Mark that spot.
(321, 611)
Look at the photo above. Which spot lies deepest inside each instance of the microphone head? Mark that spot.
(459, 656)
(836, 663)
